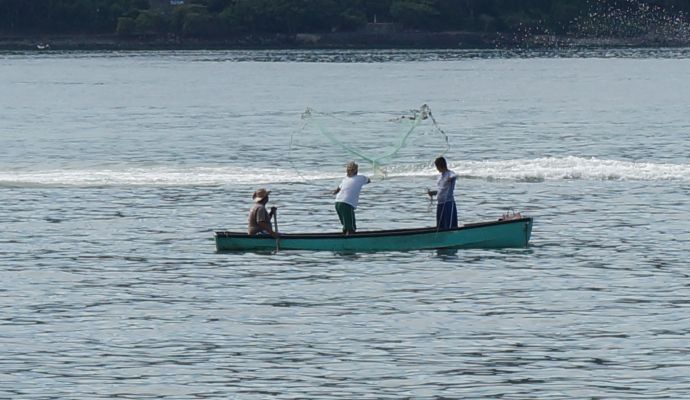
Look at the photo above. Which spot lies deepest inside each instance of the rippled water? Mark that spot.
(116, 168)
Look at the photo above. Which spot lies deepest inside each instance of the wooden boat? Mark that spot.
(484, 235)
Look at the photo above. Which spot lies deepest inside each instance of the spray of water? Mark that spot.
(606, 22)
(633, 19)
(521, 170)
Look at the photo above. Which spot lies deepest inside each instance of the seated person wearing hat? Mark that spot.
(259, 218)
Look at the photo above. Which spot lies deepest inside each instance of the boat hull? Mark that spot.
(513, 233)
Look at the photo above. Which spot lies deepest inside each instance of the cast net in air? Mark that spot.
(383, 141)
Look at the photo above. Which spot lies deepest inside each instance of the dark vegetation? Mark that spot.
(213, 19)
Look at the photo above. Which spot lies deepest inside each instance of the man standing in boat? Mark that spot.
(446, 211)
(347, 197)
(259, 218)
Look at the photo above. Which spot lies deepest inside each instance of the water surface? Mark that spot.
(117, 167)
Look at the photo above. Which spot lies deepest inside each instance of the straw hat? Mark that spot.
(260, 195)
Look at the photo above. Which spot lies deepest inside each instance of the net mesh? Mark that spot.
(379, 140)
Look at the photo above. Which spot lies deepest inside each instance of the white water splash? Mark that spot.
(552, 168)
(525, 170)
(156, 176)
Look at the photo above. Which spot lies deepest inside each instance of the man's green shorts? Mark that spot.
(346, 213)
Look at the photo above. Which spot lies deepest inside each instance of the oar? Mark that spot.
(275, 227)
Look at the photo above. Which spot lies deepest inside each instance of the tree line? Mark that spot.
(225, 18)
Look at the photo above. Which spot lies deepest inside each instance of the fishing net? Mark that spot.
(383, 141)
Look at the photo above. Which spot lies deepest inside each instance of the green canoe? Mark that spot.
(483, 235)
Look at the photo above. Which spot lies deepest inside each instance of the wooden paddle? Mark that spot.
(274, 210)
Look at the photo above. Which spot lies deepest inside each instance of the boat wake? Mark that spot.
(567, 168)
(521, 170)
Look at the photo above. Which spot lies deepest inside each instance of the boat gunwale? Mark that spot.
(371, 234)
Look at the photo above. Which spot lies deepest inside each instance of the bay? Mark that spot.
(116, 168)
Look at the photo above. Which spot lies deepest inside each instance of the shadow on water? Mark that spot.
(455, 254)
(248, 252)
(345, 255)
(447, 254)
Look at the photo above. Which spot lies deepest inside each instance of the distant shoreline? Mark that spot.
(399, 40)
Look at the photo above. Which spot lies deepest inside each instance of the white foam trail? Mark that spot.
(156, 176)
(553, 168)
(530, 170)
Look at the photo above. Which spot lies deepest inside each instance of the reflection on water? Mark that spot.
(447, 254)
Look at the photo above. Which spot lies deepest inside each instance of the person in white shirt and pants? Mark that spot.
(347, 197)
(446, 211)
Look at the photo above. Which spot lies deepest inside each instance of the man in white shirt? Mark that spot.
(446, 211)
(347, 197)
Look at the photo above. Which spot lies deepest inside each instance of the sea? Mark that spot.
(117, 167)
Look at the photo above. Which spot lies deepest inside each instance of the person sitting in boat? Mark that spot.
(446, 211)
(259, 218)
(347, 197)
